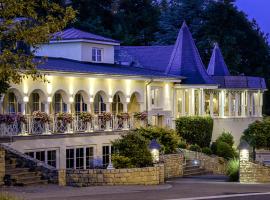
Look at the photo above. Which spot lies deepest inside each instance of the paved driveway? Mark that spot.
(206, 187)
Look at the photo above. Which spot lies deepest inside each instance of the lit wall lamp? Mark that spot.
(49, 99)
(154, 147)
(110, 99)
(91, 99)
(71, 99)
(244, 150)
(25, 99)
(128, 99)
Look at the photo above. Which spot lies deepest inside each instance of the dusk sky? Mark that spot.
(257, 9)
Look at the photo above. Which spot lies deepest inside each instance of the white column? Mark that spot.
(191, 102)
(183, 103)
(23, 108)
(47, 107)
(248, 103)
(221, 103)
(230, 103)
(236, 103)
(202, 107)
(89, 107)
(260, 103)
(243, 103)
(211, 104)
(141, 105)
(125, 107)
(68, 107)
(108, 107)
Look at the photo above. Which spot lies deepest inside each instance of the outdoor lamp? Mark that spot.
(154, 147)
(244, 150)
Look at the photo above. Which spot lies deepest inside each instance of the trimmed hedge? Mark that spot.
(195, 130)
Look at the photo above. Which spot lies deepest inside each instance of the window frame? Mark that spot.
(97, 54)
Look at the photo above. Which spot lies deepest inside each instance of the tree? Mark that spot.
(25, 24)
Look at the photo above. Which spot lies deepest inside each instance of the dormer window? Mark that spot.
(96, 54)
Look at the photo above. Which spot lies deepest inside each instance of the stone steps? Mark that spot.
(21, 176)
(194, 170)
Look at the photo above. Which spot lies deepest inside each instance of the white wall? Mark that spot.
(61, 144)
(107, 52)
(61, 50)
(80, 51)
(234, 125)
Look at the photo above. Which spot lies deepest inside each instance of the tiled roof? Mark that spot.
(76, 34)
(240, 82)
(186, 61)
(66, 65)
(150, 57)
(217, 65)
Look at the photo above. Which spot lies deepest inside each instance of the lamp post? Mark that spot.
(154, 147)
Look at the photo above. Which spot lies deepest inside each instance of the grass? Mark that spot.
(233, 170)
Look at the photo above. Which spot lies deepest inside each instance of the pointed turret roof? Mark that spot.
(186, 61)
(217, 65)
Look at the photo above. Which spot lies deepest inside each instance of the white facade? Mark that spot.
(163, 99)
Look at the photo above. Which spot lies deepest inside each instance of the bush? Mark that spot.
(195, 130)
(207, 151)
(134, 147)
(121, 161)
(167, 138)
(225, 150)
(258, 134)
(182, 145)
(195, 147)
(233, 170)
(226, 137)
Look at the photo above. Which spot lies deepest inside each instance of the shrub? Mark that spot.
(134, 147)
(167, 138)
(195, 130)
(226, 137)
(195, 147)
(121, 161)
(182, 145)
(207, 151)
(258, 134)
(225, 150)
(233, 170)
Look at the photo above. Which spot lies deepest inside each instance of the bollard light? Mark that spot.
(154, 147)
(244, 150)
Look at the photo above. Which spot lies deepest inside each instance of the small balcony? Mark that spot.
(41, 123)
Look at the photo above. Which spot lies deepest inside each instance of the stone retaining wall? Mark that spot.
(135, 176)
(253, 173)
(173, 165)
(2, 165)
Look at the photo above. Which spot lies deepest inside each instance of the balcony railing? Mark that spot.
(34, 126)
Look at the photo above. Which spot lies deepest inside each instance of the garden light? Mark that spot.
(154, 147)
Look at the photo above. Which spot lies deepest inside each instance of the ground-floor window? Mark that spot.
(47, 156)
(107, 150)
(80, 158)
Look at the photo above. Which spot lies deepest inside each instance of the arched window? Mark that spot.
(59, 105)
(36, 104)
(117, 105)
(80, 106)
(12, 103)
(99, 105)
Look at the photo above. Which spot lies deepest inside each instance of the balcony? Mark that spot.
(66, 123)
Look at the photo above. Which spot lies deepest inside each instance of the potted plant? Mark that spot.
(123, 116)
(140, 116)
(43, 117)
(86, 117)
(66, 118)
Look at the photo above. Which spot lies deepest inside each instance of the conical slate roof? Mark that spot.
(217, 65)
(186, 61)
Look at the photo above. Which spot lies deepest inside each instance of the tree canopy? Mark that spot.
(26, 23)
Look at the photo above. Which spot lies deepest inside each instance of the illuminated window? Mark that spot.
(12, 103)
(96, 54)
(155, 97)
(59, 105)
(80, 106)
(35, 102)
(99, 105)
(117, 105)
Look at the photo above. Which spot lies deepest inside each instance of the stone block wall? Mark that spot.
(2, 165)
(214, 164)
(135, 176)
(253, 173)
(173, 165)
